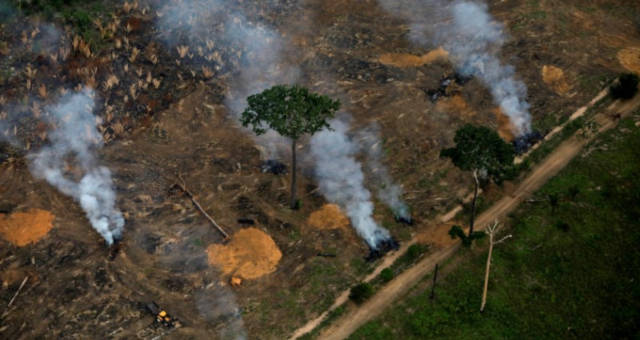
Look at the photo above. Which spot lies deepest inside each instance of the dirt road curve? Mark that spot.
(557, 160)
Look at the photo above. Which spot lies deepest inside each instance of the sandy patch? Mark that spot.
(22, 228)
(505, 128)
(328, 217)
(455, 105)
(555, 79)
(439, 236)
(630, 59)
(250, 254)
(410, 60)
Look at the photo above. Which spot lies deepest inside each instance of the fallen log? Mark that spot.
(184, 189)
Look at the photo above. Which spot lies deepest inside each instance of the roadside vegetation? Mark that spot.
(571, 269)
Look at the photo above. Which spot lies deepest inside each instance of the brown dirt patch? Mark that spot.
(455, 104)
(505, 128)
(22, 228)
(410, 60)
(328, 217)
(439, 236)
(630, 59)
(250, 254)
(555, 79)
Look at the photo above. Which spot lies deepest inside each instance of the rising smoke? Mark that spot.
(264, 64)
(386, 190)
(473, 39)
(219, 305)
(73, 144)
(260, 50)
(341, 180)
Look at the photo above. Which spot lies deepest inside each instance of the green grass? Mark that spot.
(568, 273)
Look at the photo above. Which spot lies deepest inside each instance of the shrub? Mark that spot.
(626, 87)
(414, 251)
(361, 292)
(386, 275)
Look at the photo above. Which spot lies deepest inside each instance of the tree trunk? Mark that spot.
(486, 274)
(433, 286)
(293, 174)
(473, 203)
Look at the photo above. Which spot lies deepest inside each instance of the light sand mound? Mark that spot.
(328, 217)
(555, 79)
(630, 59)
(505, 128)
(455, 105)
(22, 228)
(410, 60)
(250, 254)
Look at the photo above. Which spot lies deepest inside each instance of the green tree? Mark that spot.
(292, 111)
(480, 150)
(361, 292)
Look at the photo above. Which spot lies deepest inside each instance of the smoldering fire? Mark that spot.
(76, 137)
(341, 180)
(473, 39)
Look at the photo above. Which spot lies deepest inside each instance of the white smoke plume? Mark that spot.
(341, 180)
(473, 38)
(219, 304)
(265, 68)
(260, 51)
(387, 191)
(73, 141)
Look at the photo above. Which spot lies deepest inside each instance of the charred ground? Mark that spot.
(164, 114)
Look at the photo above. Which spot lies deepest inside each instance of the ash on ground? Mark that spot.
(408, 220)
(273, 166)
(382, 248)
(448, 85)
(523, 143)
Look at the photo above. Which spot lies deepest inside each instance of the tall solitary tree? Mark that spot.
(292, 111)
(482, 152)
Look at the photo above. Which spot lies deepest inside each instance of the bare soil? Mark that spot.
(162, 115)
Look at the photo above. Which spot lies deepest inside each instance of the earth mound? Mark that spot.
(328, 217)
(23, 228)
(250, 254)
(630, 59)
(555, 79)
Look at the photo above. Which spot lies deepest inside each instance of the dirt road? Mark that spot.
(555, 162)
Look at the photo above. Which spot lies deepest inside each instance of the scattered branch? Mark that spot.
(18, 291)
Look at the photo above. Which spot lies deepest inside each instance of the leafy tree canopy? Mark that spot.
(479, 148)
(292, 111)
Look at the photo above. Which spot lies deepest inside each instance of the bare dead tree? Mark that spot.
(491, 231)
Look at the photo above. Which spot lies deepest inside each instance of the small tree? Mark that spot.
(386, 275)
(480, 150)
(292, 111)
(361, 292)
